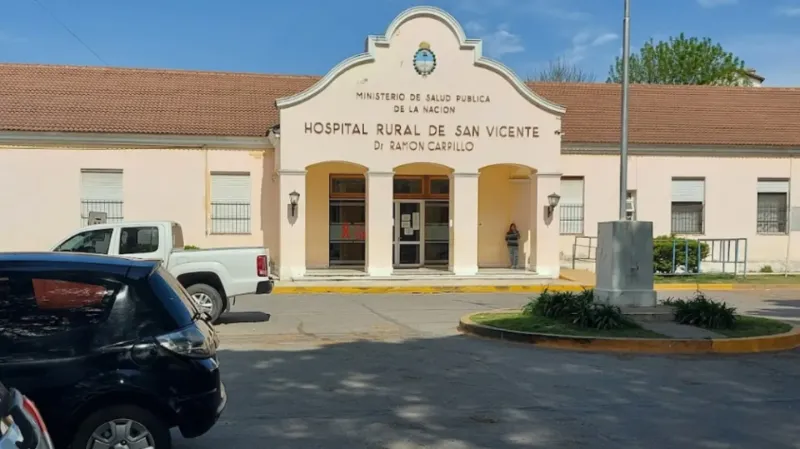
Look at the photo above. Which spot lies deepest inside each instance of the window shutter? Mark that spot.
(571, 191)
(101, 185)
(773, 186)
(230, 188)
(688, 190)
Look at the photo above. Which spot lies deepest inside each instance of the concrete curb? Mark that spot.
(423, 289)
(693, 286)
(712, 286)
(517, 288)
(772, 343)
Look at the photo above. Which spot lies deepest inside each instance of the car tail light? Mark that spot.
(190, 342)
(261, 266)
(27, 419)
(30, 407)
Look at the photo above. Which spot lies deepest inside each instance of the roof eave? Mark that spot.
(123, 140)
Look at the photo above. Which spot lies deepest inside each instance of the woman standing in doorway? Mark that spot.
(512, 240)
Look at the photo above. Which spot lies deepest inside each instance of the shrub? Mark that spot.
(558, 305)
(766, 269)
(190, 247)
(662, 254)
(578, 309)
(703, 312)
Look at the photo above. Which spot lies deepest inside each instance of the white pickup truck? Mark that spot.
(213, 277)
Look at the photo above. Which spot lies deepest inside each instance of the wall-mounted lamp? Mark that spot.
(294, 197)
(552, 202)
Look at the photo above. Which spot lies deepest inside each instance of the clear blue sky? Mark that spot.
(311, 36)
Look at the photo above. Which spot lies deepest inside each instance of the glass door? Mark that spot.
(347, 228)
(437, 232)
(408, 233)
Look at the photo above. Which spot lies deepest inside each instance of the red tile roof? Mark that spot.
(114, 100)
(111, 100)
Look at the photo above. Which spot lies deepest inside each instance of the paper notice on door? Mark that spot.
(415, 221)
(408, 231)
(405, 217)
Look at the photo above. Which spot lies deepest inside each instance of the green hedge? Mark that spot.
(662, 253)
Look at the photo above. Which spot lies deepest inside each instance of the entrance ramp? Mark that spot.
(584, 277)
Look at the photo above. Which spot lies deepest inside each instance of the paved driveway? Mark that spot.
(390, 372)
(335, 317)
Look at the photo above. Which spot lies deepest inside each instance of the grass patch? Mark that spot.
(728, 279)
(517, 321)
(750, 326)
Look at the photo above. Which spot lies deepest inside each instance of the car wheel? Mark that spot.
(207, 299)
(122, 426)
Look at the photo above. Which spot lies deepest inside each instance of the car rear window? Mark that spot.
(177, 236)
(175, 298)
(59, 294)
(54, 313)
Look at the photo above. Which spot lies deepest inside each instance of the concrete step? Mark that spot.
(422, 278)
(423, 275)
(657, 314)
(426, 283)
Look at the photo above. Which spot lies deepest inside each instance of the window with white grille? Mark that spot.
(688, 205)
(101, 191)
(772, 216)
(571, 205)
(230, 203)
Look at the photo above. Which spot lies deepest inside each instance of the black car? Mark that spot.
(112, 350)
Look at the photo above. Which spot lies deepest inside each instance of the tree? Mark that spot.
(561, 71)
(682, 60)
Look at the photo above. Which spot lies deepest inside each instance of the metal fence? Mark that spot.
(772, 219)
(687, 218)
(725, 255)
(681, 256)
(230, 218)
(584, 249)
(112, 209)
(571, 219)
(696, 256)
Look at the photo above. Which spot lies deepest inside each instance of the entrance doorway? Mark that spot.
(347, 215)
(421, 234)
(421, 221)
(421, 224)
(347, 231)
(409, 233)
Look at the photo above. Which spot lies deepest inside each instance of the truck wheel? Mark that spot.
(207, 299)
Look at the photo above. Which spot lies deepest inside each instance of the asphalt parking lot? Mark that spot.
(390, 371)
